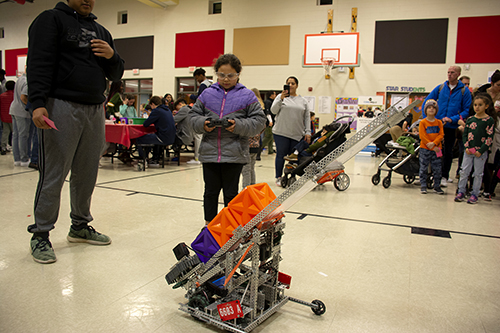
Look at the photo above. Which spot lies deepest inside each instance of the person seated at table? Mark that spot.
(184, 130)
(127, 109)
(161, 117)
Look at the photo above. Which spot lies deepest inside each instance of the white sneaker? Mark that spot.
(450, 180)
(17, 163)
(278, 181)
(25, 164)
(444, 182)
(193, 162)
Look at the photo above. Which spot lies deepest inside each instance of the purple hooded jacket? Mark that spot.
(238, 103)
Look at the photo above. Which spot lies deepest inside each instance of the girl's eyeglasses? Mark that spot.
(230, 76)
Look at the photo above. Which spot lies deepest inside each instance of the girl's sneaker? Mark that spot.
(460, 197)
(472, 199)
(487, 196)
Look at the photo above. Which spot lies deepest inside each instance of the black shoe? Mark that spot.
(33, 166)
(3, 152)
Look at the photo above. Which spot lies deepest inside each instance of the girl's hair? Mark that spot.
(116, 86)
(495, 77)
(490, 109)
(257, 94)
(228, 59)
(294, 78)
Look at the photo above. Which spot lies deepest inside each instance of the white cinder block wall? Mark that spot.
(304, 17)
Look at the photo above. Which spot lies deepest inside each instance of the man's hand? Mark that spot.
(38, 118)
(101, 48)
(308, 138)
(446, 120)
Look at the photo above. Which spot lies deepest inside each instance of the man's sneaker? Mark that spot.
(438, 190)
(193, 161)
(34, 165)
(423, 190)
(87, 235)
(42, 251)
(487, 196)
(450, 180)
(460, 197)
(292, 158)
(153, 164)
(472, 199)
(278, 181)
(24, 164)
(444, 182)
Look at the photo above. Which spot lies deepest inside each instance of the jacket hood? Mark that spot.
(70, 11)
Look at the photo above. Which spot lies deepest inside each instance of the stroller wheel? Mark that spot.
(292, 180)
(342, 182)
(386, 182)
(376, 179)
(430, 182)
(284, 181)
(408, 179)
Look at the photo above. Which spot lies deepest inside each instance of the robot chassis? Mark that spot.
(248, 297)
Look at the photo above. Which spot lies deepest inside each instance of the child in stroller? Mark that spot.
(323, 143)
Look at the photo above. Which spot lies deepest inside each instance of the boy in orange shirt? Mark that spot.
(431, 134)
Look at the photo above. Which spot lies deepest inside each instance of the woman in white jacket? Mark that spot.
(292, 123)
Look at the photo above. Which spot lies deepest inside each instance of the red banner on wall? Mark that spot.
(198, 48)
(11, 60)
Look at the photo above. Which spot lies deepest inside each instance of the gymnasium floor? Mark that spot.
(353, 250)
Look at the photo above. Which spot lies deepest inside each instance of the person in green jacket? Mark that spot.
(114, 100)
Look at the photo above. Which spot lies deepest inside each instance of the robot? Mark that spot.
(233, 280)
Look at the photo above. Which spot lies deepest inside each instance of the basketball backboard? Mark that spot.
(344, 47)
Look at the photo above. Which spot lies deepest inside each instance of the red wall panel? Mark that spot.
(198, 48)
(475, 42)
(11, 60)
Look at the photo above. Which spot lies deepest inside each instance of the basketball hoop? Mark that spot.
(328, 63)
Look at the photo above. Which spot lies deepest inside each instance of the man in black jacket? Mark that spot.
(69, 58)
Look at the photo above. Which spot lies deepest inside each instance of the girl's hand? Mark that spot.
(477, 154)
(231, 128)
(467, 151)
(206, 128)
(430, 145)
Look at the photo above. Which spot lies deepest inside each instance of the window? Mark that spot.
(142, 90)
(325, 2)
(187, 86)
(214, 7)
(123, 17)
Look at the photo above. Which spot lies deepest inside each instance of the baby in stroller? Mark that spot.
(323, 143)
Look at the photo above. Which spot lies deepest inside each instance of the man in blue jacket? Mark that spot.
(69, 58)
(454, 100)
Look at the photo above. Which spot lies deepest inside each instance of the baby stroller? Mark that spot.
(408, 166)
(337, 175)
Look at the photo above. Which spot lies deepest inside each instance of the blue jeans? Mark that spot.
(467, 163)
(149, 139)
(284, 147)
(425, 158)
(20, 138)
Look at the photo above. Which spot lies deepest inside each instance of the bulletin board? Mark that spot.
(474, 42)
(11, 60)
(137, 51)
(263, 45)
(411, 41)
(198, 49)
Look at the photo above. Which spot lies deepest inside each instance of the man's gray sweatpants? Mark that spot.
(76, 147)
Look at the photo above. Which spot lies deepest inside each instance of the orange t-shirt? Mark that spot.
(430, 131)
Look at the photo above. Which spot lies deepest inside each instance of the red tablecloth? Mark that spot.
(122, 134)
